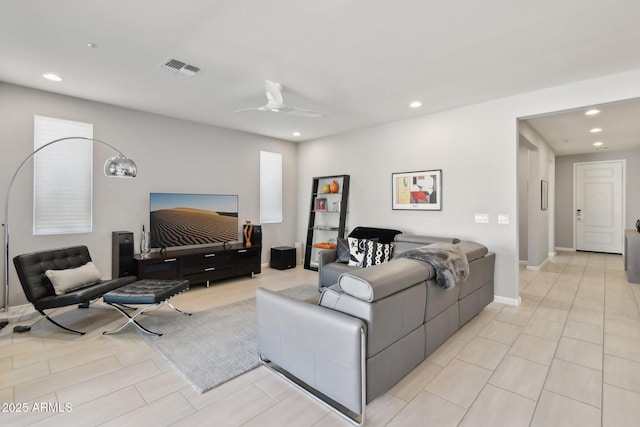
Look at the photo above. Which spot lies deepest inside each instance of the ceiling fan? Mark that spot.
(275, 103)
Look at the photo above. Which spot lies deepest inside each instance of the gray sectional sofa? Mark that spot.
(372, 326)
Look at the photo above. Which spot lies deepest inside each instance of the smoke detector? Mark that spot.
(178, 67)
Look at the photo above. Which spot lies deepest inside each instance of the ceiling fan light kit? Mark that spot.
(275, 103)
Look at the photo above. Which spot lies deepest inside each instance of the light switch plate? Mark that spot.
(503, 218)
(482, 218)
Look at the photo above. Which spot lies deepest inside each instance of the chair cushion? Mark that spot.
(73, 278)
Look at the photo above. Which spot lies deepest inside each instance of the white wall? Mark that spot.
(523, 198)
(540, 230)
(475, 146)
(172, 156)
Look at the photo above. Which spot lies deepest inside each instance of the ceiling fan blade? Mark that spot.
(275, 103)
(294, 111)
(263, 108)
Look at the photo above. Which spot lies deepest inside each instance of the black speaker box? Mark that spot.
(122, 262)
(283, 257)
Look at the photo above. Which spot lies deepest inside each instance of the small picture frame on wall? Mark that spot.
(544, 195)
(321, 204)
(421, 190)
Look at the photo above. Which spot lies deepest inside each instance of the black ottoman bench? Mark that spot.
(144, 292)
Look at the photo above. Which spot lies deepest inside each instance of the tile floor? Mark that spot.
(568, 356)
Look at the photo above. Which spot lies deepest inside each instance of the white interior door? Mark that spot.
(599, 206)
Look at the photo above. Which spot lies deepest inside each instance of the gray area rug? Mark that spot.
(213, 346)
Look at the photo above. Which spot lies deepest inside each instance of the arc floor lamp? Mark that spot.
(118, 166)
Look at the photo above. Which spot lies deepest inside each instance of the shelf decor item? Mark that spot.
(321, 204)
(145, 248)
(421, 190)
(334, 186)
(247, 231)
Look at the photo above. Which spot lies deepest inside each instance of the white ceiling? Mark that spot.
(360, 62)
(569, 132)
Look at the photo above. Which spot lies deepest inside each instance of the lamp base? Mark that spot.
(18, 313)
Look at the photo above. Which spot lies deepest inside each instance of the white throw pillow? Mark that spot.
(356, 251)
(71, 279)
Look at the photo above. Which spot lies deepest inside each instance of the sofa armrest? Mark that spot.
(326, 256)
(326, 276)
(323, 348)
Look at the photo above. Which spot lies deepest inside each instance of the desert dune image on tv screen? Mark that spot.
(181, 226)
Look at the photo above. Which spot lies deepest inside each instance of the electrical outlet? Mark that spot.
(503, 218)
(482, 218)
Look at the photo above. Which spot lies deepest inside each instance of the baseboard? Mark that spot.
(565, 249)
(523, 262)
(509, 301)
(554, 253)
(538, 267)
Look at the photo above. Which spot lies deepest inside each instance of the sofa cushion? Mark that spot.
(376, 253)
(388, 319)
(379, 281)
(70, 279)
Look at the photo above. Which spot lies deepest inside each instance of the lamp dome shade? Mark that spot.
(120, 166)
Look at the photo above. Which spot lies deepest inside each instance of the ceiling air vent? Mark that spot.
(175, 66)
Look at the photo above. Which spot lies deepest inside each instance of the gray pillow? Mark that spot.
(342, 251)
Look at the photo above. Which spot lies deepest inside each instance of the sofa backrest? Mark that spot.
(379, 281)
(404, 242)
(31, 268)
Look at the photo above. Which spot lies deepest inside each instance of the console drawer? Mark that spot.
(207, 259)
(211, 274)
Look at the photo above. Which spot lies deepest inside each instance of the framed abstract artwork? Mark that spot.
(421, 190)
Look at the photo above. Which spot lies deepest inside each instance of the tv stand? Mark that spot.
(201, 265)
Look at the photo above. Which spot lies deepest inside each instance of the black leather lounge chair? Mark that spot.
(40, 291)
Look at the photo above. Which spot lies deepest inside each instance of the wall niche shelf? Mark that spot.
(327, 216)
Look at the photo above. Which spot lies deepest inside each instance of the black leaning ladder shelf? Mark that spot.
(327, 216)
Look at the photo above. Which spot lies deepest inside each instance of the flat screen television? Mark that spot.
(177, 219)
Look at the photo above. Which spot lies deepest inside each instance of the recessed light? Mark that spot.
(415, 104)
(296, 133)
(595, 130)
(592, 112)
(598, 144)
(52, 77)
(92, 45)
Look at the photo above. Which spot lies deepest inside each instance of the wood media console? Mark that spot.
(201, 265)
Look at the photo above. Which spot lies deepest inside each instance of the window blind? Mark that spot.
(62, 177)
(270, 187)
